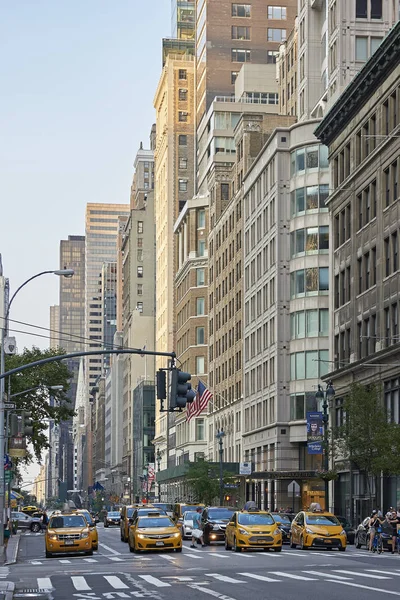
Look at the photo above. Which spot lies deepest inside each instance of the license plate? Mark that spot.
(328, 541)
(261, 541)
(69, 542)
(159, 543)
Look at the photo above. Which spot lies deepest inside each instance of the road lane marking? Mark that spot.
(322, 574)
(211, 592)
(116, 558)
(291, 576)
(115, 582)
(243, 555)
(44, 583)
(304, 555)
(80, 584)
(65, 562)
(155, 581)
(260, 577)
(386, 572)
(108, 548)
(216, 554)
(36, 562)
(364, 587)
(91, 560)
(193, 556)
(224, 578)
(193, 550)
(360, 574)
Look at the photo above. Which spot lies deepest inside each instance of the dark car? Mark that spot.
(284, 522)
(214, 520)
(362, 535)
(350, 531)
(112, 518)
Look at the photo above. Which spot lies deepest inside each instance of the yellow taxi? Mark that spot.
(94, 535)
(126, 514)
(154, 532)
(252, 529)
(67, 532)
(317, 528)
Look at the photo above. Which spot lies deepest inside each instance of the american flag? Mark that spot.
(201, 401)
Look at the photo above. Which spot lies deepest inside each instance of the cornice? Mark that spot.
(362, 87)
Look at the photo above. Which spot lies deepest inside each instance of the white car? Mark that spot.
(187, 524)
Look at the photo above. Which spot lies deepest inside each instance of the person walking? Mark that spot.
(374, 522)
(197, 532)
(392, 519)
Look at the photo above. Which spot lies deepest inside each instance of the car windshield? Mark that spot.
(222, 514)
(343, 522)
(248, 519)
(113, 515)
(60, 522)
(130, 512)
(88, 518)
(164, 506)
(188, 516)
(191, 508)
(155, 522)
(322, 520)
(281, 518)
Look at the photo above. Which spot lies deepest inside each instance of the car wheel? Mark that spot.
(236, 548)
(278, 549)
(96, 547)
(292, 545)
(136, 550)
(227, 546)
(178, 549)
(49, 554)
(302, 546)
(342, 548)
(130, 547)
(35, 527)
(89, 552)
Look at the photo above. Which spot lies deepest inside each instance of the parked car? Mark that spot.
(26, 522)
(350, 531)
(113, 517)
(214, 520)
(186, 524)
(284, 522)
(362, 535)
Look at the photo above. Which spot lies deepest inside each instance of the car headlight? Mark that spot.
(84, 534)
(141, 536)
(277, 532)
(176, 535)
(343, 532)
(53, 537)
(309, 531)
(243, 532)
(215, 527)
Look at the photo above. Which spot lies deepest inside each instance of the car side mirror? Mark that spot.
(130, 521)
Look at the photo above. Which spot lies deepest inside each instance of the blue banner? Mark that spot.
(315, 448)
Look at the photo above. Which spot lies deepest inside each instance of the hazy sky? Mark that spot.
(78, 79)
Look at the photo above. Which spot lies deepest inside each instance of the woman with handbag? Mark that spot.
(197, 532)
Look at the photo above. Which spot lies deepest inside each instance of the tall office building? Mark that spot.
(229, 34)
(183, 19)
(55, 326)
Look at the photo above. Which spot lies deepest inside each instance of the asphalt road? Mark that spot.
(113, 572)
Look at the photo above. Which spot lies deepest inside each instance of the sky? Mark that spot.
(78, 79)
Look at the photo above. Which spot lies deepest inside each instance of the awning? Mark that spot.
(15, 496)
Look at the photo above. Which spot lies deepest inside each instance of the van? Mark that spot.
(181, 507)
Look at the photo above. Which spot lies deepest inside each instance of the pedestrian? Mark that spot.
(197, 532)
(391, 518)
(374, 522)
(45, 519)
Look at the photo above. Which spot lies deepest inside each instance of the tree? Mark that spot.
(202, 478)
(368, 438)
(38, 379)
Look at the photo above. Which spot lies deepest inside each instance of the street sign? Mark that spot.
(8, 476)
(293, 487)
(9, 405)
(231, 486)
(245, 468)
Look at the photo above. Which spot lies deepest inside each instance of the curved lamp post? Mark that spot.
(326, 396)
(4, 331)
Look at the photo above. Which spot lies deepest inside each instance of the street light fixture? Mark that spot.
(220, 437)
(326, 397)
(5, 309)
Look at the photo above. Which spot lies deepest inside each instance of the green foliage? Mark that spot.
(37, 400)
(368, 438)
(202, 478)
(54, 503)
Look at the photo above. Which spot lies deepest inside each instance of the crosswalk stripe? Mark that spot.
(304, 555)
(44, 583)
(385, 572)
(260, 577)
(326, 575)
(36, 562)
(154, 581)
(224, 578)
(116, 558)
(193, 556)
(80, 584)
(360, 574)
(217, 555)
(292, 576)
(65, 562)
(115, 582)
(91, 560)
(168, 557)
(243, 555)
(364, 587)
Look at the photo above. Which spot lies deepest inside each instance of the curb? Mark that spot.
(13, 559)
(7, 590)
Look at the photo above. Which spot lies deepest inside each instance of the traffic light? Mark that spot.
(161, 385)
(227, 498)
(181, 390)
(27, 423)
(14, 424)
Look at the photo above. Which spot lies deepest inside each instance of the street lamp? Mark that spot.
(326, 397)
(220, 436)
(5, 309)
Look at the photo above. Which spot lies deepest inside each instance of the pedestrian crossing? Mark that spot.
(4, 571)
(149, 581)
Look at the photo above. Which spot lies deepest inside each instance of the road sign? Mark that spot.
(8, 476)
(9, 405)
(293, 487)
(231, 486)
(245, 468)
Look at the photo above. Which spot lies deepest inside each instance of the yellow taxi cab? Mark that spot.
(94, 535)
(154, 532)
(181, 507)
(126, 514)
(252, 529)
(317, 528)
(67, 532)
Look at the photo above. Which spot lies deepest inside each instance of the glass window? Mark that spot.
(183, 162)
(200, 277)
(200, 306)
(200, 365)
(140, 271)
(199, 335)
(182, 140)
(324, 321)
(323, 157)
(312, 197)
(201, 218)
(300, 365)
(297, 412)
(312, 157)
(375, 43)
(312, 279)
(300, 159)
(234, 75)
(200, 430)
(139, 306)
(361, 9)
(323, 195)
(271, 57)
(312, 239)
(241, 10)
(300, 200)
(240, 33)
(324, 279)
(300, 324)
(276, 12)
(324, 237)
(183, 185)
(300, 241)
(182, 74)
(140, 226)
(361, 48)
(182, 94)
(276, 35)
(312, 323)
(324, 364)
(182, 116)
(312, 365)
(201, 247)
(300, 288)
(376, 9)
(240, 55)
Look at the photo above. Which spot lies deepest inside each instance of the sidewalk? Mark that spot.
(12, 549)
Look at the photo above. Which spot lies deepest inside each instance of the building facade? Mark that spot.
(362, 132)
(54, 326)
